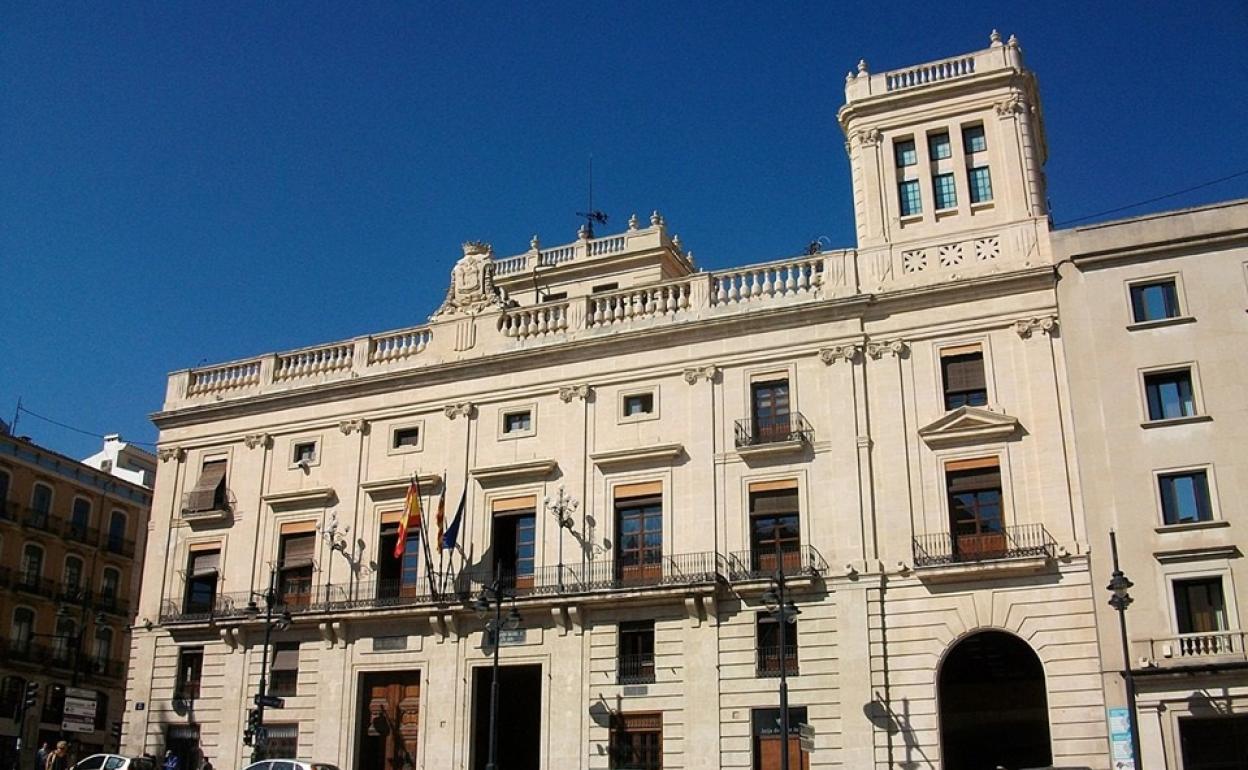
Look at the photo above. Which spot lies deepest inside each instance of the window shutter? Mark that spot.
(297, 550)
(772, 502)
(204, 493)
(964, 372)
(974, 480)
(205, 562)
(525, 504)
(647, 489)
(286, 658)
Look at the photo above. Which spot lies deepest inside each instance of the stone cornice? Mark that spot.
(383, 487)
(655, 455)
(512, 472)
(300, 498)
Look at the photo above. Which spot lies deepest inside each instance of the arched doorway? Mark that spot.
(993, 708)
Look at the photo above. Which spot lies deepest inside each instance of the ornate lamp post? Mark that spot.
(258, 736)
(562, 506)
(785, 612)
(1119, 584)
(493, 595)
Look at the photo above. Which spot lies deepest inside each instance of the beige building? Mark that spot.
(69, 582)
(889, 425)
(1153, 317)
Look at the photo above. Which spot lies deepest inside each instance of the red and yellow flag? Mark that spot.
(440, 517)
(411, 516)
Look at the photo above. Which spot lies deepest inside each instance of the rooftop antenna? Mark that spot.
(592, 215)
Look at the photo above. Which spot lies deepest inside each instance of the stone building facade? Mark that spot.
(890, 427)
(71, 545)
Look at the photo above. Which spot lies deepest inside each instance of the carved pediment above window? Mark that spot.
(969, 425)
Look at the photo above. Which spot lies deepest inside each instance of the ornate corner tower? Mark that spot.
(947, 160)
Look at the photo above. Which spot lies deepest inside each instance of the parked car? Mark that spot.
(115, 762)
(289, 764)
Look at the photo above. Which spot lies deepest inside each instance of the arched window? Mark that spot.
(80, 518)
(22, 630)
(102, 649)
(63, 642)
(41, 499)
(116, 531)
(110, 584)
(4, 487)
(32, 564)
(73, 574)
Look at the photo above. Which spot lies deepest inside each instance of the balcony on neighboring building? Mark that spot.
(783, 432)
(794, 560)
(10, 510)
(34, 518)
(113, 605)
(36, 584)
(1199, 650)
(81, 534)
(22, 650)
(1021, 547)
(122, 546)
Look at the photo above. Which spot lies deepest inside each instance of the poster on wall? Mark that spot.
(1120, 739)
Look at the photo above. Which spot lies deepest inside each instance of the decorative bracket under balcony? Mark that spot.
(301, 498)
(968, 425)
(660, 454)
(393, 487)
(513, 472)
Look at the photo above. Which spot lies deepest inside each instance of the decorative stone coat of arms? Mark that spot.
(472, 286)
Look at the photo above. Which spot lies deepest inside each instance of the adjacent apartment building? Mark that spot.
(71, 546)
(1153, 312)
(642, 447)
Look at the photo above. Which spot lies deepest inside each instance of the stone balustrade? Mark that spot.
(777, 279)
(997, 56)
(634, 239)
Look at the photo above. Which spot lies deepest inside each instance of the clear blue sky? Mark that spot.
(199, 182)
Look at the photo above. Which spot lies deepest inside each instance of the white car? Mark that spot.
(288, 764)
(115, 762)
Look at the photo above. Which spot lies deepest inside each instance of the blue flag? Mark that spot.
(452, 532)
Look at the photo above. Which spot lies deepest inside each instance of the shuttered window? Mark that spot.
(208, 494)
(974, 501)
(285, 678)
(774, 524)
(637, 741)
(962, 370)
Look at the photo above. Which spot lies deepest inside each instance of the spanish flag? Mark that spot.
(411, 516)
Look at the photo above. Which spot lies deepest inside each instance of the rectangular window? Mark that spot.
(294, 580)
(905, 154)
(1154, 301)
(939, 147)
(1200, 606)
(514, 541)
(209, 492)
(771, 655)
(406, 438)
(202, 571)
(398, 576)
(766, 728)
(638, 404)
(639, 533)
(770, 410)
(962, 373)
(636, 741)
(975, 516)
(944, 192)
(775, 527)
(518, 422)
(604, 287)
(285, 678)
(908, 197)
(1169, 394)
(973, 139)
(980, 182)
(556, 296)
(283, 742)
(635, 663)
(1185, 497)
(304, 452)
(190, 672)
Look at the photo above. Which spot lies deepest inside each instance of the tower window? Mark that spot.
(980, 182)
(946, 194)
(906, 156)
(939, 147)
(909, 198)
(973, 139)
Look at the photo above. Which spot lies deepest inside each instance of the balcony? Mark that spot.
(113, 605)
(221, 606)
(41, 520)
(794, 561)
(36, 584)
(770, 660)
(105, 668)
(10, 511)
(1204, 649)
(22, 651)
(784, 433)
(119, 545)
(635, 669)
(81, 534)
(1024, 547)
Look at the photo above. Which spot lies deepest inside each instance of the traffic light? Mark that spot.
(32, 696)
(253, 727)
(116, 731)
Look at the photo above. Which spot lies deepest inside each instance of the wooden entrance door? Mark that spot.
(390, 723)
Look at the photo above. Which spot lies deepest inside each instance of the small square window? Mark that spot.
(939, 147)
(909, 197)
(637, 404)
(1169, 395)
(905, 153)
(945, 192)
(1185, 497)
(406, 438)
(1154, 301)
(518, 422)
(973, 139)
(304, 452)
(980, 182)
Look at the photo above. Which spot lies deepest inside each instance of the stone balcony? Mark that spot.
(862, 84)
(1209, 649)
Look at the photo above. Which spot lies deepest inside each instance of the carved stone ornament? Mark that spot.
(708, 373)
(569, 392)
(167, 453)
(894, 348)
(462, 409)
(253, 440)
(1029, 326)
(868, 137)
(848, 352)
(1010, 105)
(351, 426)
(472, 286)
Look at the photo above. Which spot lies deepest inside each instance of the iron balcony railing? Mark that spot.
(82, 534)
(943, 548)
(35, 584)
(107, 668)
(22, 650)
(121, 546)
(635, 669)
(10, 510)
(41, 520)
(762, 563)
(6, 576)
(113, 605)
(774, 430)
(770, 659)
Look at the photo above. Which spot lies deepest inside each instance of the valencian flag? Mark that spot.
(440, 516)
(411, 515)
(447, 541)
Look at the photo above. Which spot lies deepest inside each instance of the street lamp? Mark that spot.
(1119, 584)
(494, 594)
(259, 737)
(784, 612)
(562, 506)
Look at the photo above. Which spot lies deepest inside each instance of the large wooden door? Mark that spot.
(390, 723)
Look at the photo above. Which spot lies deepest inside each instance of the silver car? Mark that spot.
(115, 762)
(289, 764)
